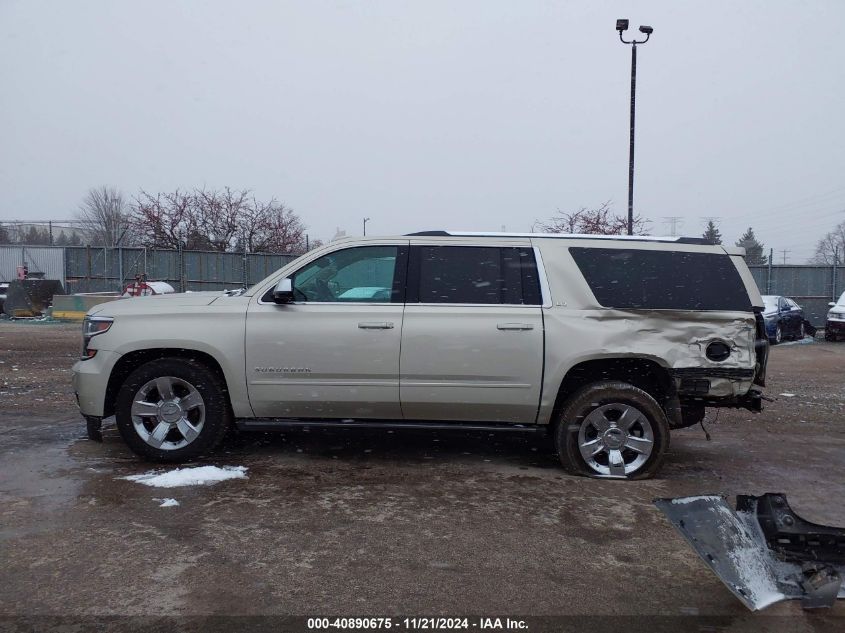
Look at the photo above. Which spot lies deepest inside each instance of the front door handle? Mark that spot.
(376, 325)
(514, 326)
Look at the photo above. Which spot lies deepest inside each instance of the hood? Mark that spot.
(155, 303)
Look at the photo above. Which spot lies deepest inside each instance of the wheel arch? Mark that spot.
(641, 371)
(130, 361)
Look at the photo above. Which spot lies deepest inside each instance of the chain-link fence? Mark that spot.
(89, 269)
(107, 269)
(811, 286)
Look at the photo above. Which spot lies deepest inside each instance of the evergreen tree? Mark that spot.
(5, 238)
(36, 236)
(712, 233)
(753, 249)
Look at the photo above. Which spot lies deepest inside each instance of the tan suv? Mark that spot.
(607, 343)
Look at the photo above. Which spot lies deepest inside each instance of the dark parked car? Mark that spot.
(834, 328)
(784, 318)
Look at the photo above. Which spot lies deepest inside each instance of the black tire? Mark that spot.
(778, 338)
(801, 332)
(573, 418)
(217, 412)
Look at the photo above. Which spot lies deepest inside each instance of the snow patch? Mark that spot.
(751, 559)
(685, 500)
(788, 395)
(199, 476)
(167, 503)
(807, 340)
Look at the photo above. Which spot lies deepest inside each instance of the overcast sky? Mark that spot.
(428, 115)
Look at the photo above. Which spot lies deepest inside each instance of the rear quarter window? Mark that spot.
(662, 280)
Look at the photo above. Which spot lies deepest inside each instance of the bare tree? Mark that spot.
(223, 220)
(599, 221)
(165, 220)
(103, 216)
(831, 248)
(221, 216)
(274, 228)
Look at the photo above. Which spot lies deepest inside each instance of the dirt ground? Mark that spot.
(351, 522)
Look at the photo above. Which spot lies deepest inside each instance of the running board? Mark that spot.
(284, 424)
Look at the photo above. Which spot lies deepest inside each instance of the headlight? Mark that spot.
(835, 315)
(91, 327)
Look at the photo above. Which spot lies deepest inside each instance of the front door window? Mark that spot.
(364, 274)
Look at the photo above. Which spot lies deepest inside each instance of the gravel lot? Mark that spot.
(376, 523)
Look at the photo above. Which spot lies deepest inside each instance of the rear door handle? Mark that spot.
(514, 326)
(376, 325)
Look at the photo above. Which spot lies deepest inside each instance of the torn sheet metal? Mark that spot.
(762, 551)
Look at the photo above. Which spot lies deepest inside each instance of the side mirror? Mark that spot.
(283, 293)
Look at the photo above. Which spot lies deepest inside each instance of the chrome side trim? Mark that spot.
(465, 383)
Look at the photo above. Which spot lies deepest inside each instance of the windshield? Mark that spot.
(770, 303)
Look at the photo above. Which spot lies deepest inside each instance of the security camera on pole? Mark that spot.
(622, 26)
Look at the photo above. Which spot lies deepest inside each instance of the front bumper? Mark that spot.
(90, 381)
(835, 327)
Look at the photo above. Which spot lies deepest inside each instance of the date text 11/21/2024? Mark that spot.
(416, 624)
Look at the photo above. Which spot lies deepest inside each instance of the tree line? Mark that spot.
(197, 219)
(602, 220)
(235, 220)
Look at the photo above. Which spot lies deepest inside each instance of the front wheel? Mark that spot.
(173, 410)
(612, 430)
(778, 338)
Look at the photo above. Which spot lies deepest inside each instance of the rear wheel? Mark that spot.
(801, 332)
(172, 410)
(612, 430)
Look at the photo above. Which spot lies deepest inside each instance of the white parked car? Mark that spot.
(606, 343)
(834, 327)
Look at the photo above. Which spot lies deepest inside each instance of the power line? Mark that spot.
(790, 207)
(673, 221)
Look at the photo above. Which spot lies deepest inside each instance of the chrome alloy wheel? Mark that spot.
(615, 440)
(168, 413)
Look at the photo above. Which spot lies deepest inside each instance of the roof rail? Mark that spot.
(568, 236)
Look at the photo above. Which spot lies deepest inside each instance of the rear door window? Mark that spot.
(662, 280)
(474, 275)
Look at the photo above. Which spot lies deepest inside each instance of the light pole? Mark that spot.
(621, 26)
(365, 226)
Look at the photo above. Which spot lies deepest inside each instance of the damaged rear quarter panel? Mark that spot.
(578, 329)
